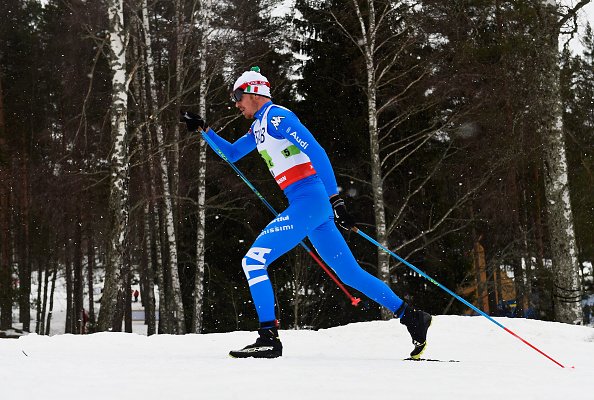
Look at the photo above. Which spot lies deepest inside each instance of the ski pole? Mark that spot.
(354, 301)
(450, 292)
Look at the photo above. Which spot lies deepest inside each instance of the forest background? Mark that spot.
(451, 125)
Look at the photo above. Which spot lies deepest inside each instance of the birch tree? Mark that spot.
(153, 267)
(385, 37)
(367, 44)
(118, 168)
(549, 109)
(371, 21)
(170, 232)
(578, 83)
(204, 24)
(199, 42)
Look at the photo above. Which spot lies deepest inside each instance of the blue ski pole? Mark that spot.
(354, 300)
(357, 230)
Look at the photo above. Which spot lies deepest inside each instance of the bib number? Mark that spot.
(267, 158)
(291, 151)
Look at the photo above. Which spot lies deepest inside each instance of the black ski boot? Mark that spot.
(268, 344)
(417, 322)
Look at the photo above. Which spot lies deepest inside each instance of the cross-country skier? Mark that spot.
(303, 171)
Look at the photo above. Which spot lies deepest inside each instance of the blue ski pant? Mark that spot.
(309, 215)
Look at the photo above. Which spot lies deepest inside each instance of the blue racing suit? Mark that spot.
(302, 169)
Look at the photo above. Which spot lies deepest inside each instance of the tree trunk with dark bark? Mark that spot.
(24, 265)
(5, 242)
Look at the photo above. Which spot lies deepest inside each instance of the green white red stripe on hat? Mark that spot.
(253, 82)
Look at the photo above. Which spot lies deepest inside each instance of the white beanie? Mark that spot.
(253, 82)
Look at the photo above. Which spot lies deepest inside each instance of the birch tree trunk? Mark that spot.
(119, 167)
(51, 300)
(43, 303)
(90, 268)
(38, 301)
(143, 137)
(179, 78)
(200, 237)
(168, 194)
(164, 317)
(205, 9)
(377, 184)
(368, 38)
(560, 219)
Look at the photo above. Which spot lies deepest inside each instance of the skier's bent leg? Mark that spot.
(333, 249)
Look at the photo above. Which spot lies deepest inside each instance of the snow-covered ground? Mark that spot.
(358, 361)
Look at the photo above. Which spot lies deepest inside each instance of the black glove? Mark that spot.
(193, 121)
(341, 215)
